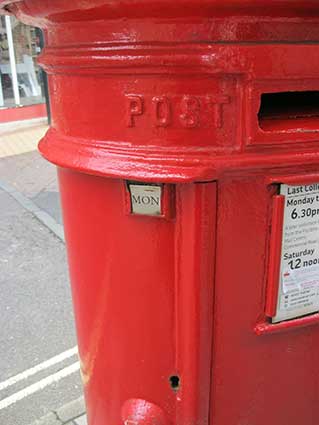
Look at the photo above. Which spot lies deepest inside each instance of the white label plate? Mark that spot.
(299, 271)
(146, 199)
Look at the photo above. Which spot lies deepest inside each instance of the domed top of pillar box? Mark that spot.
(178, 90)
(219, 20)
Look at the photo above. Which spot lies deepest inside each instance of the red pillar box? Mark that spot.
(186, 138)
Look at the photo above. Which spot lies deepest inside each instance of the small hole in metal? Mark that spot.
(175, 382)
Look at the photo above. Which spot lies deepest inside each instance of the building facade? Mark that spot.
(22, 82)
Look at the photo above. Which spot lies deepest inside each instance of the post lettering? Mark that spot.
(163, 112)
(135, 107)
(217, 105)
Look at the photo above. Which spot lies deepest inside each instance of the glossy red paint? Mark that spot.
(142, 289)
(173, 312)
(277, 223)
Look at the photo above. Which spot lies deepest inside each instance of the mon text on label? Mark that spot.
(146, 199)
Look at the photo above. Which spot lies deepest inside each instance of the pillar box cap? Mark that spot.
(162, 90)
(64, 10)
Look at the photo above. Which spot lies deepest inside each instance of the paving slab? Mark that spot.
(81, 421)
(71, 410)
(17, 142)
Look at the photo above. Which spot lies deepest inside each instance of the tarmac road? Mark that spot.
(39, 368)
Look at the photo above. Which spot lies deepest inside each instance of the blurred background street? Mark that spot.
(38, 362)
(39, 369)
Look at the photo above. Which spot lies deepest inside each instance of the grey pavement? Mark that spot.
(39, 379)
(34, 177)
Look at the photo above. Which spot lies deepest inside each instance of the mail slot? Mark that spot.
(289, 111)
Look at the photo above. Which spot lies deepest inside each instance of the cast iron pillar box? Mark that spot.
(186, 138)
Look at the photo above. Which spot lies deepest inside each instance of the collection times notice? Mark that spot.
(299, 271)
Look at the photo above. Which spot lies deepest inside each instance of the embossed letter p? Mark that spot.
(134, 107)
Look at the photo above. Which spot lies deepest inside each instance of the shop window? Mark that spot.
(20, 77)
